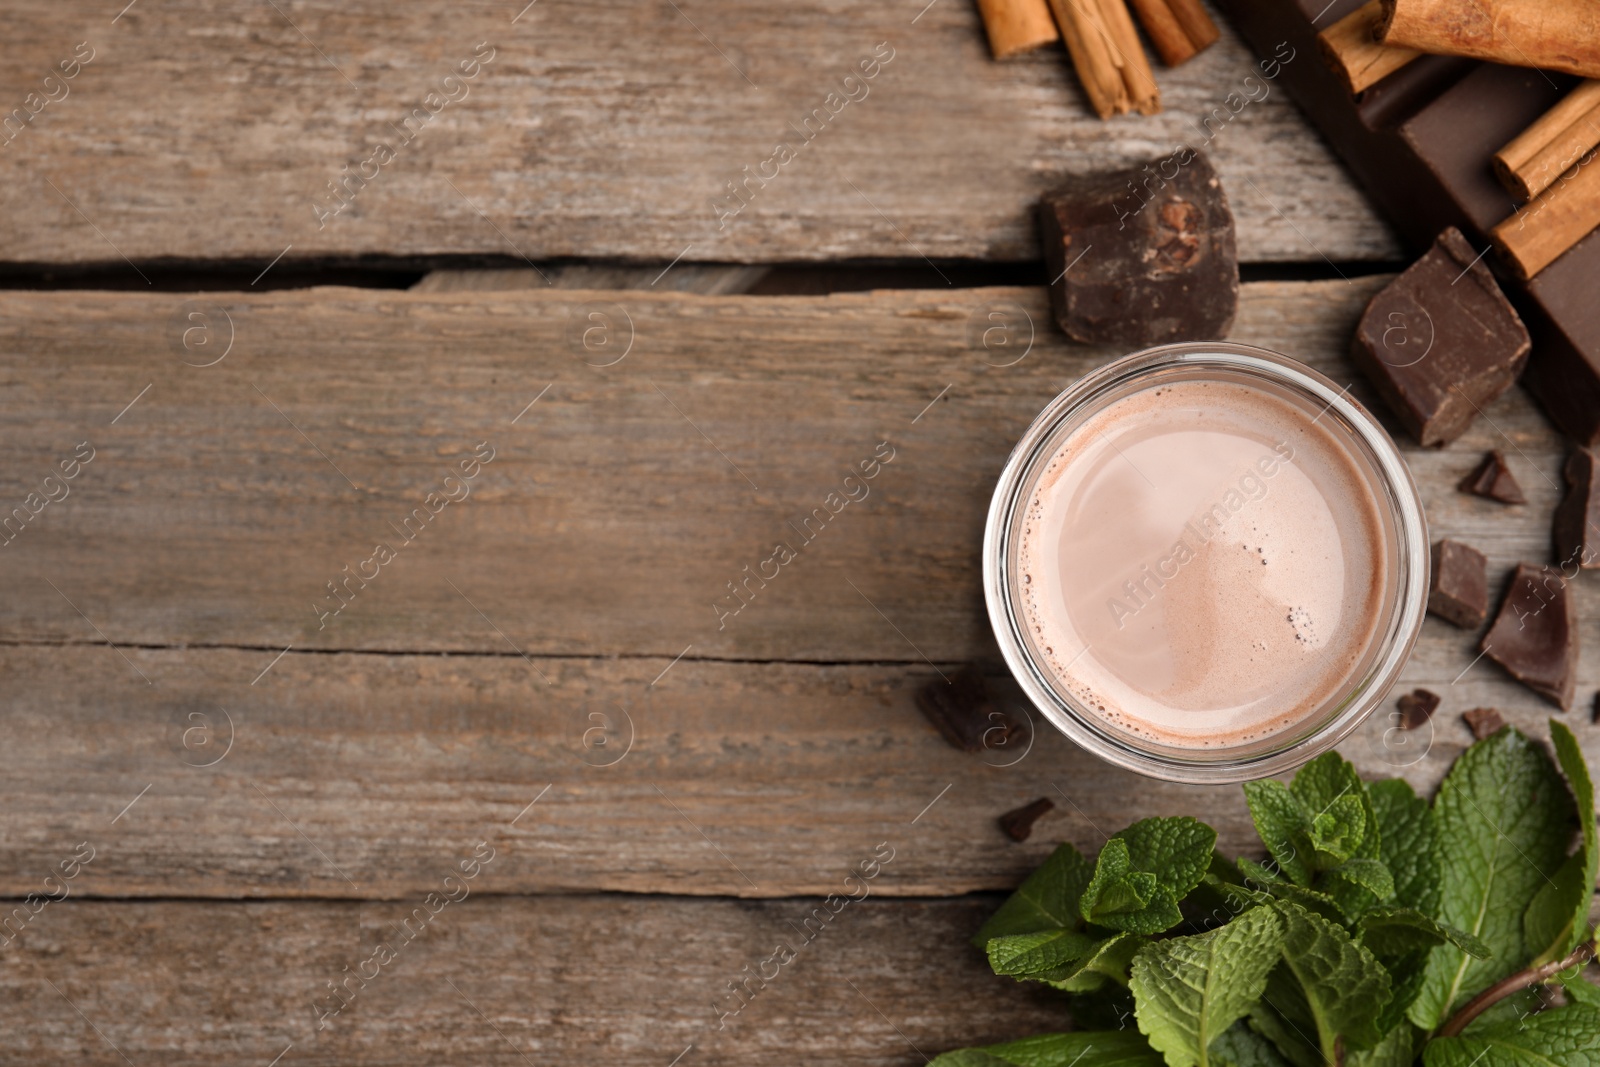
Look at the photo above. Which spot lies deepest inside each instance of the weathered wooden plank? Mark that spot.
(506, 981)
(359, 775)
(618, 508)
(202, 129)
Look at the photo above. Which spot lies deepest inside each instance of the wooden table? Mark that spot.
(542, 684)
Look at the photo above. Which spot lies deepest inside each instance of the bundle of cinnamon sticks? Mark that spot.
(1104, 46)
(1552, 168)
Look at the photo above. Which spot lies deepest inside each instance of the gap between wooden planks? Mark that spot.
(206, 130)
(420, 720)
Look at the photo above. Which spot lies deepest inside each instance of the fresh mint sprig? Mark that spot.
(1378, 930)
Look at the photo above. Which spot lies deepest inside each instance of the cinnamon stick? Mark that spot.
(1553, 222)
(1017, 26)
(1180, 29)
(1350, 48)
(1534, 160)
(1105, 50)
(1552, 34)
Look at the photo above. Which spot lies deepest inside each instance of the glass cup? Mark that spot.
(1402, 539)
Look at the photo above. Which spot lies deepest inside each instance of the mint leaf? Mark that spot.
(1177, 851)
(1311, 900)
(1322, 787)
(1283, 825)
(1504, 820)
(1557, 921)
(1047, 900)
(1109, 959)
(1550, 920)
(1408, 843)
(1344, 826)
(1030, 955)
(1397, 1049)
(1338, 831)
(1122, 898)
(1089, 1049)
(1240, 1046)
(1284, 1018)
(1116, 887)
(1406, 973)
(1398, 931)
(1370, 875)
(1262, 875)
(1564, 1037)
(1188, 990)
(1581, 991)
(1344, 984)
(969, 1057)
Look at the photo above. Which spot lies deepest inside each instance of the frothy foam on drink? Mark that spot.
(1202, 565)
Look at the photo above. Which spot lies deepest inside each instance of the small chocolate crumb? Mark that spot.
(1458, 589)
(1596, 716)
(1493, 480)
(1416, 708)
(1018, 824)
(964, 714)
(1535, 633)
(1485, 722)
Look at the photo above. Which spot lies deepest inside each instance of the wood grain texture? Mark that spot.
(204, 129)
(619, 507)
(577, 578)
(361, 776)
(506, 982)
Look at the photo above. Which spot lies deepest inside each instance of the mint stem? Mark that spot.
(1512, 984)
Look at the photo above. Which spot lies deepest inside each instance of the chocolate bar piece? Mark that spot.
(1535, 634)
(1458, 588)
(1492, 480)
(1441, 341)
(1142, 256)
(1421, 141)
(1576, 529)
(1018, 824)
(1416, 708)
(964, 714)
(1483, 722)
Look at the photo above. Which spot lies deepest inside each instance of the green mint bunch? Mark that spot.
(1379, 930)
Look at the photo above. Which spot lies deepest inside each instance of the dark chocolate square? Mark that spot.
(1535, 633)
(1441, 341)
(1458, 588)
(1142, 256)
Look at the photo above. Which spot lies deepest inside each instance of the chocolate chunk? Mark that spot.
(1458, 589)
(1484, 722)
(964, 713)
(1441, 341)
(1492, 479)
(1595, 715)
(1018, 824)
(1535, 633)
(1420, 141)
(1142, 256)
(1416, 708)
(1576, 529)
